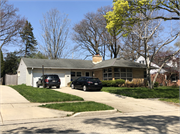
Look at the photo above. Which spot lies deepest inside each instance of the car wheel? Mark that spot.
(84, 88)
(72, 86)
(57, 86)
(49, 86)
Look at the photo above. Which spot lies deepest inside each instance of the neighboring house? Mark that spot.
(30, 70)
(168, 74)
(141, 60)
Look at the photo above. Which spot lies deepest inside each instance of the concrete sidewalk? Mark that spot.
(14, 106)
(9, 95)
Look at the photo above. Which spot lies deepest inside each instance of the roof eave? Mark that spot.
(59, 68)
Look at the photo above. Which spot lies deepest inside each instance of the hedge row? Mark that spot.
(113, 83)
(121, 82)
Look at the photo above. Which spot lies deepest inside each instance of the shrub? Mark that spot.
(120, 82)
(109, 83)
(104, 83)
(113, 83)
(156, 84)
(138, 83)
(127, 84)
(175, 86)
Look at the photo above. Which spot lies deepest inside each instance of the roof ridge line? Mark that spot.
(114, 61)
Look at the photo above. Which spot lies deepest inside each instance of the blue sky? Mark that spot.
(76, 9)
(33, 11)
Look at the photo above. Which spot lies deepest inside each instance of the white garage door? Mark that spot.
(37, 75)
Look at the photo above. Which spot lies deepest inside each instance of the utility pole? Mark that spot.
(43, 76)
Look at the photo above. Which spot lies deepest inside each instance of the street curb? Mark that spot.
(92, 113)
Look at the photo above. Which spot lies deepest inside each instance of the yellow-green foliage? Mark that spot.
(120, 12)
(124, 12)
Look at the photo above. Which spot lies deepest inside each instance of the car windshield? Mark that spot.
(93, 79)
(53, 77)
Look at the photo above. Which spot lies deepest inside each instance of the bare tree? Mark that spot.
(91, 34)
(10, 23)
(150, 49)
(55, 29)
(88, 34)
(131, 47)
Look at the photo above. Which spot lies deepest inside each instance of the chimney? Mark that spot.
(96, 59)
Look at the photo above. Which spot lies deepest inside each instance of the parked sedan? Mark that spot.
(87, 83)
(49, 81)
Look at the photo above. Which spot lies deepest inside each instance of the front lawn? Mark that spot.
(79, 106)
(142, 92)
(172, 100)
(44, 95)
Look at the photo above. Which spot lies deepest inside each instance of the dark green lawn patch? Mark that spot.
(44, 95)
(173, 100)
(142, 92)
(79, 106)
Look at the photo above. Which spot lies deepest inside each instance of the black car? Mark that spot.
(49, 81)
(87, 83)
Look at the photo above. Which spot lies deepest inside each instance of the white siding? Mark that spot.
(22, 73)
(141, 60)
(29, 77)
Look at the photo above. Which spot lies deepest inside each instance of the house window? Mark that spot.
(109, 69)
(129, 69)
(78, 74)
(119, 73)
(174, 78)
(72, 74)
(107, 75)
(123, 69)
(116, 69)
(87, 73)
(142, 62)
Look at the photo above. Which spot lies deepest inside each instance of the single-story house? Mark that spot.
(30, 70)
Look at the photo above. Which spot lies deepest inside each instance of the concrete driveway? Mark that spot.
(122, 103)
(14, 106)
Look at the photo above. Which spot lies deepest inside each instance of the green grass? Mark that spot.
(142, 92)
(44, 95)
(173, 100)
(79, 106)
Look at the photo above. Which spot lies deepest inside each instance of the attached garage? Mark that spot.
(63, 75)
(30, 70)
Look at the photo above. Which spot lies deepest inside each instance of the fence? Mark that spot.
(11, 79)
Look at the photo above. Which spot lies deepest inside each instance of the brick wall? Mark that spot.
(98, 74)
(161, 80)
(138, 73)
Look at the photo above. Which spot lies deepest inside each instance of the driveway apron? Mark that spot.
(122, 103)
(14, 106)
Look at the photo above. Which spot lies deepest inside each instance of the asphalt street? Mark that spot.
(118, 123)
